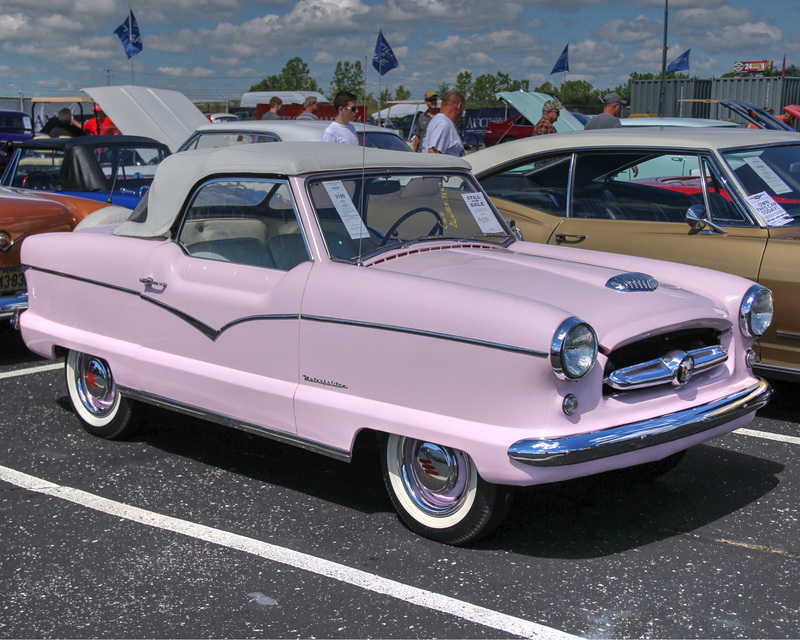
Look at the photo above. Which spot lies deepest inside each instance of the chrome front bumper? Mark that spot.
(638, 435)
(9, 305)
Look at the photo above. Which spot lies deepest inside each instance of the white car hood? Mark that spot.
(164, 115)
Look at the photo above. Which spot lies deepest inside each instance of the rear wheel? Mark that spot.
(438, 493)
(96, 398)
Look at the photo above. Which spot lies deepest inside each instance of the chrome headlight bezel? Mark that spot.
(573, 352)
(756, 311)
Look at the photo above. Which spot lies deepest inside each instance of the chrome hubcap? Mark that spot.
(435, 477)
(95, 384)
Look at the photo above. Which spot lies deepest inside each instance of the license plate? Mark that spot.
(11, 279)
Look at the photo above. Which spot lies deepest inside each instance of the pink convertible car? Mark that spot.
(318, 294)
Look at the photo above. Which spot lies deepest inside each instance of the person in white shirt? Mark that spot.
(342, 129)
(441, 136)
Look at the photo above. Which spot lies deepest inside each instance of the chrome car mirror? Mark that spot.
(697, 220)
(512, 224)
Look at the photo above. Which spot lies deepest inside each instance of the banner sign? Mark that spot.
(477, 121)
(759, 66)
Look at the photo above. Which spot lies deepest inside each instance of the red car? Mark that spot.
(511, 129)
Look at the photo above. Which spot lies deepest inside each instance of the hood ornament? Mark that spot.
(632, 281)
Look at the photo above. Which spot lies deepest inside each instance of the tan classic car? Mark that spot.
(27, 214)
(723, 199)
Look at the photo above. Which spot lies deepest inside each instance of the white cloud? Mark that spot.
(638, 30)
(181, 72)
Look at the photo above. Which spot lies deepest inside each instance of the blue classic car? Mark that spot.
(15, 127)
(113, 169)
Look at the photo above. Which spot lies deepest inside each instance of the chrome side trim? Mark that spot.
(664, 370)
(207, 330)
(776, 372)
(227, 421)
(788, 335)
(431, 334)
(213, 334)
(587, 447)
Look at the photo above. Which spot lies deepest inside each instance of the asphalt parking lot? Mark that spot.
(189, 529)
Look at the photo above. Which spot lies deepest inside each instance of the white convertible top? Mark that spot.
(177, 174)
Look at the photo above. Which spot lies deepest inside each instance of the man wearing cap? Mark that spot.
(423, 120)
(549, 116)
(609, 119)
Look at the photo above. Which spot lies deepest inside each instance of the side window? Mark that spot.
(636, 186)
(249, 222)
(539, 183)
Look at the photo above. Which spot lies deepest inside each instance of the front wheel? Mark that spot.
(437, 492)
(96, 398)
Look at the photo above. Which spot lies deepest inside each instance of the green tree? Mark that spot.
(546, 87)
(442, 89)
(401, 93)
(579, 93)
(349, 76)
(484, 88)
(294, 76)
(505, 83)
(464, 83)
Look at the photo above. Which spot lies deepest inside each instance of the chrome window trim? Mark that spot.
(189, 203)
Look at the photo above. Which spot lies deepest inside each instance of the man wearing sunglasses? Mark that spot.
(342, 129)
(423, 120)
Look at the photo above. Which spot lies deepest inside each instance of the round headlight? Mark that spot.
(573, 351)
(755, 313)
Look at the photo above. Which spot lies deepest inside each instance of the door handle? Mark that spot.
(569, 237)
(149, 282)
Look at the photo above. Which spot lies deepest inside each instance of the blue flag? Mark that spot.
(562, 64)
(128, 32)
(680, 63)
(384, 60)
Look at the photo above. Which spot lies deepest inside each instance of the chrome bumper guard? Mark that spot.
(639, 435)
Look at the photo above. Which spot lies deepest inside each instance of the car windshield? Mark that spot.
(771, 178)
(364, 214)
(14, 122)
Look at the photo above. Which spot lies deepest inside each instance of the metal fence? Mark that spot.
(774, 92)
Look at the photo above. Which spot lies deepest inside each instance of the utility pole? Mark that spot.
(108, 76)
(663, 62)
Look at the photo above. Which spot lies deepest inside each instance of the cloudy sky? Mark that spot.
(208, 48)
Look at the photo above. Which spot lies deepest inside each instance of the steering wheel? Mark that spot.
(39, 180)
(393, 229)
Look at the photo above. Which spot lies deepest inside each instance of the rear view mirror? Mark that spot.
(697, 220)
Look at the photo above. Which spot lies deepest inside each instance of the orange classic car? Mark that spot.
(27, 214)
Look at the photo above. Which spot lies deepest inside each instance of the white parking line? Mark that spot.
(766, 435)
(342, 573)
(31, 370)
